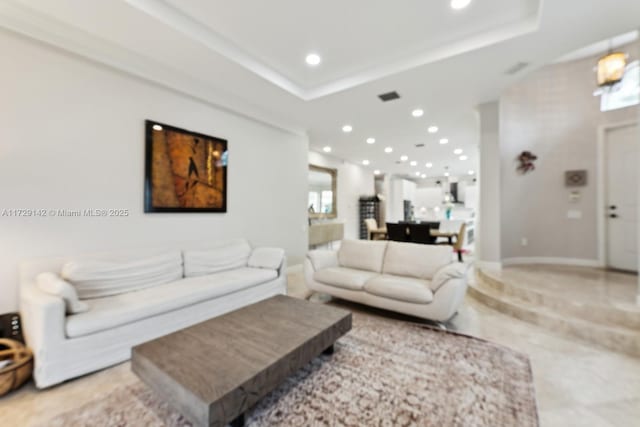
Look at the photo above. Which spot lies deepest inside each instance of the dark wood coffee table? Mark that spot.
(214, 371)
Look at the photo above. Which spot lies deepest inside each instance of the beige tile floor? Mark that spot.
(576, 385)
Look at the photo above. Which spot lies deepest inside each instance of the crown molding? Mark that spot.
(20, 19)
(178, 20)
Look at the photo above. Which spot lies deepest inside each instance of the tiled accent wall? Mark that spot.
(553, 113)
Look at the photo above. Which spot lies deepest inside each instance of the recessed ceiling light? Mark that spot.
(457, 151)
(418, 174)
(313, 59)
(423, 176)
(388, 150)
(347, 128)
(471, 172)
(157, 127)
(463, 157)
(404, 158)
(444, 141)
(376, 172)
(365, 162)
(327, 149)
(413, 163)
(429, 165)
(459, 4)
(371, 140)
(446, 174)
(433, 129)
(417, 112)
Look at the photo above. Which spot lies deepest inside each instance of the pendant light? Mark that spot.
(611, 68)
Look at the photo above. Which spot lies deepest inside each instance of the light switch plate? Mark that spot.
(574, 214)
(574, 196)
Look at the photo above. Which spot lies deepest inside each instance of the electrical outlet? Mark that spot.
(524, 241)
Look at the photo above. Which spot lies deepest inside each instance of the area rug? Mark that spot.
(385, 372)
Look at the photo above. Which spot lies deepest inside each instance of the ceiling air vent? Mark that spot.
(517, 68)
(419, 145)
(389, 96)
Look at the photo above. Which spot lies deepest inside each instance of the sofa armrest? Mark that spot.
(43, 318)
(322, 258)
(270, 258)
(282, 271)
(451, 272)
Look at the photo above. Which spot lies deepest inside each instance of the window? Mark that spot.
(327, 201)
(314, 202)
(624, 94)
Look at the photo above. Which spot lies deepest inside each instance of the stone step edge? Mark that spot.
(610, 337)
(609, 315)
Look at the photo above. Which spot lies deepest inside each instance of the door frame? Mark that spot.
(601, 172)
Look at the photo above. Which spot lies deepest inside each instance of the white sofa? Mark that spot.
(419, 280)
(218, 279)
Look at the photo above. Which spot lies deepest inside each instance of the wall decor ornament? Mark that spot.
(185, 171)
(526, 161)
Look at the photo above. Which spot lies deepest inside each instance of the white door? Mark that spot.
(622, 197)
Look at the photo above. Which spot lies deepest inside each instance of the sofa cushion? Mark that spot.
(362, 254)
(110, 312)
(415, 260)
(52, 284)
(400, 288)
(101, 276)
(271, 258)
(341, 277)
(215, 258)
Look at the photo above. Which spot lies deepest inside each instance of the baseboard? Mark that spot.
(488, 265)
(578, 262)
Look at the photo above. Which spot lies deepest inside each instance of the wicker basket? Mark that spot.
(14, 375)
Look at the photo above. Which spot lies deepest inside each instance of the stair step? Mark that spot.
(603, 314)
(612, 337)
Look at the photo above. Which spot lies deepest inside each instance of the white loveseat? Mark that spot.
(187, 287)
(419, 280)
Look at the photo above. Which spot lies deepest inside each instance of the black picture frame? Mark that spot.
(148, 180)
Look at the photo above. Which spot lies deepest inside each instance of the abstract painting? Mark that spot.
(185, 171)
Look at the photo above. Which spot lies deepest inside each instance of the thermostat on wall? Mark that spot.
(575, 178)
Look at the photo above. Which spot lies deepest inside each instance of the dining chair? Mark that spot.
(373, 232)
(458, 246)
(397, 232)
(421, 233)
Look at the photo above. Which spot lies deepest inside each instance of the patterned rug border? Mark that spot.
(364, 309)
(497, 344)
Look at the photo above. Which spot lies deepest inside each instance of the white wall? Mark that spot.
(399, 191)
(489, 228)
(471, 196)
(428, 197)
(395, 211)
(72, 136)
(353, 181)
